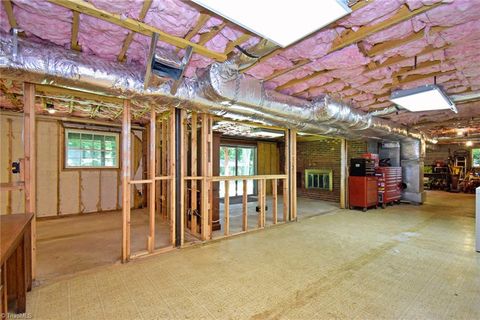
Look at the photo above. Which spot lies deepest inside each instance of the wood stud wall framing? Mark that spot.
(196, 185)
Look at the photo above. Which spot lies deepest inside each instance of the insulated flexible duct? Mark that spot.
(221, 90)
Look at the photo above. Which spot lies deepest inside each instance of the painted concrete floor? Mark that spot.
(409, 262)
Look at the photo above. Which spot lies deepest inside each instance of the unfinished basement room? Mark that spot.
(206, 159)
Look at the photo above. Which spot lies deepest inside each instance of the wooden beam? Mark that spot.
(261, 204)
(264, 58)
(172, 164)
(7, 4)
(151, 175)
(286, 181)
(194, 164)
(245, 206)
(350, 37)
(385, 46)
(75, 25)
(183, 167)
(136, 26)
(293, 175)
(274, 201)
(226, 209)
(126, 187)
(204, 38)
(29, 147)
(202, 19)
(386, 63)
(204, 172)
(128, 40)
(241, 39)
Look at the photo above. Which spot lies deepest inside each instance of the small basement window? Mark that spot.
(91, 149)
(319, 179)
(476, 158)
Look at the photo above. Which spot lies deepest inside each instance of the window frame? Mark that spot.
(472, 163)
(321, 172)
(116, 135)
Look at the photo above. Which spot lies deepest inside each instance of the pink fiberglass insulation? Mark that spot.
(400, 30)
(346, 72)
(172, 16)
(370, 12)
(44, 20)
(4, 24)
(345, 58)
(108, 37)
(461, 32)
(266, 68)
(363, 97)
(128, 8)
(454, 13)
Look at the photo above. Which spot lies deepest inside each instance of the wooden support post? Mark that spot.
(274, 200)
(210, 174)
(261, 204)
(164, 168)
(126, 188)
(245, 207)
(172, 165)
(151, 175)
(286, 181)
(29, 144)
(293, 174)
(205, 234)
(183, 166)
(226, 211)
(193, 154)
(343, 174)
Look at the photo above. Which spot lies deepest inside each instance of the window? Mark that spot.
(241, 162)
(319, 179)
(91, 149)
(475, 158)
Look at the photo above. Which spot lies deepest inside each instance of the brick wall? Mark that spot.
(324, 154)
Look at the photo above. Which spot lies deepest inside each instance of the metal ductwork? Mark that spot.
(221, 90)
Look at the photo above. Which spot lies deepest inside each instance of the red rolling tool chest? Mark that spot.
(363, 191)
(389, 184)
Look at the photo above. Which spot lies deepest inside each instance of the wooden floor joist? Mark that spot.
(87, 8)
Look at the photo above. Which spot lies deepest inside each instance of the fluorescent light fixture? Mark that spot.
(282, 22)
(469, 143)
(424, 98)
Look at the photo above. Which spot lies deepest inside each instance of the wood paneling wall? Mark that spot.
(59, 191)
(268, 160)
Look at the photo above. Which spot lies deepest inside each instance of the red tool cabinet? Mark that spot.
(389, 184)
(363, 192)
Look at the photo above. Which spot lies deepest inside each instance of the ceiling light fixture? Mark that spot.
(424, 98)
(282, 22)
(469, 143)
(50, 108)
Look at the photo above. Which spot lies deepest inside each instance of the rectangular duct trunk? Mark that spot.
(412, 153)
